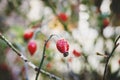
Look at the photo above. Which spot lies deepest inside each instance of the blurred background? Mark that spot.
(89, 26)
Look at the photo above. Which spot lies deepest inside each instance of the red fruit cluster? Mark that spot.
(32, 47)
(63, 17)
(63, 46)
(76, 53)
(28, 34)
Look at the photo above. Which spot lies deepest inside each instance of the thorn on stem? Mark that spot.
(101, 54)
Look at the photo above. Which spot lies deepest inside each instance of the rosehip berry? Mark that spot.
(48, 65)
(76, 53)
(105, 22)
(63, 17)
(63, 46)
(32, 47)
(28, 34)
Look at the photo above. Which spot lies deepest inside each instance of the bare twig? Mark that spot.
(22, 49)
(117, 39)
(26, 60)
(43, 57)
(108, 58)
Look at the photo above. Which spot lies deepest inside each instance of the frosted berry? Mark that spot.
(28, 34)
(76, 53)
(32, 47)
(63, 17)
(62, 46)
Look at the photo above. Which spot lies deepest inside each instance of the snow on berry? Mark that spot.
(62, 46)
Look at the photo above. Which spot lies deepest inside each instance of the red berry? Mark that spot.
(105, 22)
(63, 17)
(32, 47)
(28, 34)
(76, 53)
(63, 46)
(48, 65)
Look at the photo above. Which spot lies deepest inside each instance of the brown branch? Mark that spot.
(26, 60)
(43, 57)
(108, 58)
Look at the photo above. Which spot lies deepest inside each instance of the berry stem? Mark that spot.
(108, 58)
(26, 60)
(43, 57)
(36, 32)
